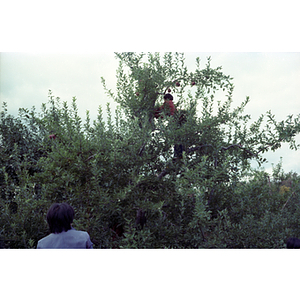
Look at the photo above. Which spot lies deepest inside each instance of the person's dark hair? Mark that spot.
(60, 217)
(168, 97)
(293, 243)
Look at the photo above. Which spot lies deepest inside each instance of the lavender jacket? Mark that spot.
(71, 239)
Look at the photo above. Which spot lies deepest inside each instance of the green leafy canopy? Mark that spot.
(141, 181)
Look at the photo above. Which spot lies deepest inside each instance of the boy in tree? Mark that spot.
(170, 110)
(168, 107)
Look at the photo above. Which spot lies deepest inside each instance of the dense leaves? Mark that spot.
(124, 177)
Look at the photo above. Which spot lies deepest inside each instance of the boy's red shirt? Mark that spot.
(169, 106)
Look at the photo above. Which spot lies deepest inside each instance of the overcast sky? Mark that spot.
(271, 80)
(252, 41)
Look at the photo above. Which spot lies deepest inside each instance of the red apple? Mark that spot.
(52, 136)
(137, 93)
(193, 83)
(169, 90)
(177, 83)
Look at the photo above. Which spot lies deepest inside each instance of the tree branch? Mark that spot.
(239, 146)
(192, 149)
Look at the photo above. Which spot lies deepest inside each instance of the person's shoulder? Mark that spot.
(78, 232)
(82, 232)
(84, 236)
(42, 242)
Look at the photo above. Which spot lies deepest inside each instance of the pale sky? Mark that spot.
(271, 80)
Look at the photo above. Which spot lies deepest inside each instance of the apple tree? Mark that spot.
(124, 177)
(218, 141)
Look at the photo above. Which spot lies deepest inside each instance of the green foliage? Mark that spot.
(127, 186)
